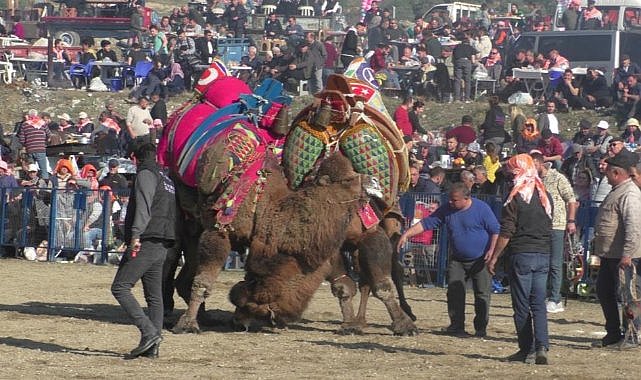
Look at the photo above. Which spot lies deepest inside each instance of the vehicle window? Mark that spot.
(578, 48)
(610, 17)
(629, 44)
(632, 18)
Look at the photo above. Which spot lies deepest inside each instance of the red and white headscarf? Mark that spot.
(526, 180)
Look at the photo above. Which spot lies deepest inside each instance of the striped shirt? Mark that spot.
(34, 135)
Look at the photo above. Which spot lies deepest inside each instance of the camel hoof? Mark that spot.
(350, 329)
(404, 327)
(186, 325)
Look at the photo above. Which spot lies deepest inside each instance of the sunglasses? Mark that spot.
(614, 143)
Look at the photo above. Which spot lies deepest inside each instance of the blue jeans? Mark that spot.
(91, 235)
(528, 277)
(41, 159)
(556, 266)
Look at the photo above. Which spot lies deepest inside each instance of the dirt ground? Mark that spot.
(60, 321)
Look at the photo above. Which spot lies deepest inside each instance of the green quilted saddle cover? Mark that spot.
(366, 148)
(302, 149)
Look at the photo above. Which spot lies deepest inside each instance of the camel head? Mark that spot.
(338, 169)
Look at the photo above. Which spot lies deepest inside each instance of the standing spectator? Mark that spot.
(548, 120)
(319, 55)
(159, 41)
(332, 58)
(206, 47)
(570, 17)
(236, 16)
(159, 110)
(34, 136)
(473, 231)
(493, 128)
(463, 56)
(139, 119)
(350, 48)
(563, 219)
(149, 229)
(526, 227)
(382, 62)
(294, 32)
(91, 229)
(402, 117)
(617, 240)
(465, 132)
(591, 18)
(18, 28)
(116, 181)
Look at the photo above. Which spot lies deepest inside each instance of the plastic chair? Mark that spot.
(78, 70)
(141, 70)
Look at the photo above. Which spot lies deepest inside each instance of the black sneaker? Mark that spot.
(541, 356)
(607, 340)
(455, 331)
(523, 357)
(145, 344)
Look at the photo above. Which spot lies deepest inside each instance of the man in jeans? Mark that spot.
(526, 228)
(149, 232)
(472, 230)
(563, 219)
(462, 57)
(34, 136)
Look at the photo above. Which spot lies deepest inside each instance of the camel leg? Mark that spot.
(376, 262)
(213, 249)
(344, 288)
(398, 278)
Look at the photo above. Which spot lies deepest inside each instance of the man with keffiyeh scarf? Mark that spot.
(526, 229)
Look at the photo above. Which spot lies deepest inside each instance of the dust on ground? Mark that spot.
(60, 321)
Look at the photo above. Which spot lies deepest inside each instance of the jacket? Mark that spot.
(151, 212)
(617, 230)
(561, 194)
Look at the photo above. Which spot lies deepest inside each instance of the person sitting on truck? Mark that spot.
(591, 18)
(570, 17)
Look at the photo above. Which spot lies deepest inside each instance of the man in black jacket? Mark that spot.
(462, 57)
(206, 47)
(149, 230)
(350, 44)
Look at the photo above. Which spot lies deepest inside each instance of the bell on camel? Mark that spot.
(281, 122)
(323, 116)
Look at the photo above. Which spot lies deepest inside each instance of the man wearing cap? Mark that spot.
(591, 18)
(84, 125)
(65, 124)
(116, 181)
(300, 68)
(34, 136)
(632, 134)
(583, 136)
(617, 240)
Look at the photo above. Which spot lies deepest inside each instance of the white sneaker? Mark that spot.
(555, 307)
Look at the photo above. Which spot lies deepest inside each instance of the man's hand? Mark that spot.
(570, 227)
(488, 256)
(401, 242)
(626, 261)
(490, 265)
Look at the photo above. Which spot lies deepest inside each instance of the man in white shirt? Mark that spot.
(548, 120)
(139, 119)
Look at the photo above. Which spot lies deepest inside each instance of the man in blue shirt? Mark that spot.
(473, 231)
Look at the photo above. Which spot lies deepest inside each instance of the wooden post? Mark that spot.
(49, 59)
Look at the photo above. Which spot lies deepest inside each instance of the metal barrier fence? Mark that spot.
(62, 222)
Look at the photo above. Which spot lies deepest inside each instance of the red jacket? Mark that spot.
(555, 148)
(402, 119)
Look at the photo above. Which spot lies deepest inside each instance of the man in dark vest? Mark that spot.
(149, 230)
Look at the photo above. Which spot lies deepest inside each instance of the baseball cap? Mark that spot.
(65, 116)
(474, 147)
(625, 159)
(83, 115)
(632, 121)
(32, 168)
(603, 125)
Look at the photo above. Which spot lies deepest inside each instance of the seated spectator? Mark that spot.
(105, 52)
(621, 74)
(273, 27)
(153, 83)
(253, 61)
(451, 146)
(493, 64)
(483, 186)
(175, 83)
(551, 148)
(415, 117)
(92, 230)
(632, 134)
(66, 126)
(136, 55)
(7, 180)
(63, 172)
(87, 53)
(557, 61)
(595, 90)
(491, 161)
(568, 94)
(584, 136)
(60, 55)
(116, 181)
(493, 127)
(88, 177)
(471, 153)
(577, 163)
(300, 68)
(193, 27)
(421, 185)
(529, 138)
(165, 25)
(105, 136)
(382, 62)
(407, 58)
(84, 125)
(629, 100)
(464, 133)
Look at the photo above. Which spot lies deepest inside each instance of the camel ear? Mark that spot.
(324, 180)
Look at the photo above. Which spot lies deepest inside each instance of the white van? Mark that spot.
(455, 10)
(617, 14)
(585, 48)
